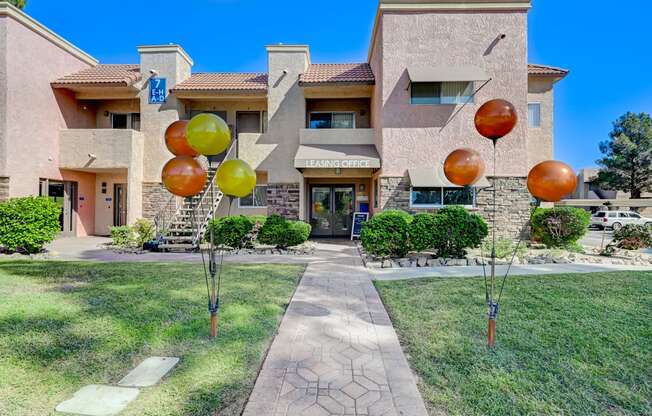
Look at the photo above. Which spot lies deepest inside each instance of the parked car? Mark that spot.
(617, 219)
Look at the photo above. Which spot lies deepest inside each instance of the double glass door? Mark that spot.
(331, 210)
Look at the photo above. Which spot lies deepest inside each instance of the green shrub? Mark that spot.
(420, 232)
(559, 227)
(298, 233)
(143, 230)
(455, 230)
(504, 248)
(386, 234)
(278, 231)
(633, 237)
(122, 236)
(232, 231)
(27, 224)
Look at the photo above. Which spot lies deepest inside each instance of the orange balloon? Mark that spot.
(176, 140)
(495, 119)
(464, 167)
(551, 180)
(183, 176)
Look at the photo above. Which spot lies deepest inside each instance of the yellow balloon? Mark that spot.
(236, 178)
(208, 134)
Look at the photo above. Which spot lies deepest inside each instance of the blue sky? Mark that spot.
(605, 43)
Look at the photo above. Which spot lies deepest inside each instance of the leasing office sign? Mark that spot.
(337, 163)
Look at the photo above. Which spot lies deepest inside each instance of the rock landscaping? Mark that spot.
(529, 256)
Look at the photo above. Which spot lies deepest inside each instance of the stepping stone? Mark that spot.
(96, 400)
(149, 372)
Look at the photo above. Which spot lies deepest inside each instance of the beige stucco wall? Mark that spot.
(170, 62)
(336, 136)
(541, 139)
(424, 135)
(32, 112)
(376, 63)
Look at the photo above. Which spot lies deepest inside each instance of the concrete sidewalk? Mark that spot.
(336, 352)
(516, 270)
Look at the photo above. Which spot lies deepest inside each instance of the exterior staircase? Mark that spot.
(182, 223)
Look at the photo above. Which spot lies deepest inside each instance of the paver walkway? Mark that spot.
(336, 352)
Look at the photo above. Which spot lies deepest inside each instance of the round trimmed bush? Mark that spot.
(633, 237)
(278, 231)
(420, 232)
(298, 233)
(386, 234)
(561, 226)
(27, 224)
(234, 231)
(455, 229)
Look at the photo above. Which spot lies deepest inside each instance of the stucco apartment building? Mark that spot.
(325, 139)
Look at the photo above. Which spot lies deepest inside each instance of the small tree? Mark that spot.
(18, 3)
(627, 161)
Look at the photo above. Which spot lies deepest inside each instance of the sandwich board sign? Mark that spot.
(359, 218)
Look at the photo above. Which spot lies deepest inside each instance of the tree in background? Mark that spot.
(18, 3)
(627, 162)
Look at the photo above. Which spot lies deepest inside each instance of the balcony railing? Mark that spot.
(99, 148)
(336, 136)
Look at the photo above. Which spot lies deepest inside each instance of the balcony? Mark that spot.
(100, 148)
(336, 136)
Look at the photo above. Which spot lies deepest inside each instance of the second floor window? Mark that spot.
(534, 115)
(441, 92)
(332, 120)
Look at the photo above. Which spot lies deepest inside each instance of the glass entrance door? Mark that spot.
(331, 210)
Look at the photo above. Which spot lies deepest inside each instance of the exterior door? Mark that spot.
(64, 194)
(119, 204)
(247, 122)
(331, 210)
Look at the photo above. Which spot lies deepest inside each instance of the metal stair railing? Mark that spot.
(166, 216)
(209, 202)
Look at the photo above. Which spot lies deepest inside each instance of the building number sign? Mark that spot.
(157, 90)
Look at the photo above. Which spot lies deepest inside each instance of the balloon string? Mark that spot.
(219, 275)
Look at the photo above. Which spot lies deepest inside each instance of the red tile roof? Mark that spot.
(103, 74)
(335, 73)
(546, 71)
(224, 81)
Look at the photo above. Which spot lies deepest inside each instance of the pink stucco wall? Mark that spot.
(85, 200)
(35, 113)
(416, 136)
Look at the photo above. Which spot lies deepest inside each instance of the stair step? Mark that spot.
(177, 247)
(177, 238)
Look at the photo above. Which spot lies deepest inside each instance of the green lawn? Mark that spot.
(566, 344)
(65, 325)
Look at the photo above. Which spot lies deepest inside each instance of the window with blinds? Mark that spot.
(441, 92)
(534, 115)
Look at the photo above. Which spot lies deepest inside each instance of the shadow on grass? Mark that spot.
(123, 312)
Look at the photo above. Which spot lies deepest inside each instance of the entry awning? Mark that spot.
(337, 156)
(435, 177)
(447, 73)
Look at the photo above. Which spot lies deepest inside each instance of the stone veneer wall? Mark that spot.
(283, 199)
(512, 197)
(512, 205)
(4, 188)
(155, 196)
